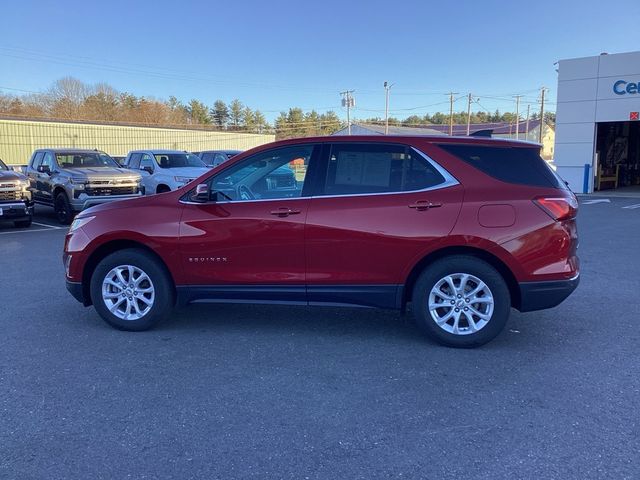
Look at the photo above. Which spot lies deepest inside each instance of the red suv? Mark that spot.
(463, 229)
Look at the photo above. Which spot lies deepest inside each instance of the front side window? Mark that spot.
(134, 160)
(147, 163)
(377, 168)
(178, 160)
(47, 160)
(273, 174)
(84, 160)
(37, 160)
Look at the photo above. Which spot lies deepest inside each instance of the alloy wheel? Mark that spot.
(128, 292)
(461, 304)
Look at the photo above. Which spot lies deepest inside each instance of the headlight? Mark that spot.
(184, 179)
(24, 184)
(80, 222)
(78, 184)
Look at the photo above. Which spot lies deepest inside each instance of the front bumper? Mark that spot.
(16, 211)
(85, 201)
(77, 291)
(541, 295)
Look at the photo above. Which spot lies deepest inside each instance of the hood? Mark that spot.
(191, 172)
(102, 172)
(10, 175)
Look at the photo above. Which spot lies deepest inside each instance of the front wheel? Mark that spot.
(131, 290)
(62, 208)
(461, 301)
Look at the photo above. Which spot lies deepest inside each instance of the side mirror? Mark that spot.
(201, 194)
(44, 169)
(148, 169)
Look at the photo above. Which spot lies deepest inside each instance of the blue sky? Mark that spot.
(279, 54)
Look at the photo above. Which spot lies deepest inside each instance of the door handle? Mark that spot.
(284, 212)
(421, 205)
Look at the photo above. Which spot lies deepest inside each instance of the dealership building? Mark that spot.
(597, 145)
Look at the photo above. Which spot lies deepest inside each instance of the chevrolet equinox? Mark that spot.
(462, 229)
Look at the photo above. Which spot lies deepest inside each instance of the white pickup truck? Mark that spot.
(164, 170)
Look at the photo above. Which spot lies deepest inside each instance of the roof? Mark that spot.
(69, 149)
(370, 129)
(156, 151)
(499, 128)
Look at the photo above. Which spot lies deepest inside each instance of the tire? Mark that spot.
(162, 189)
(62, 207)
(22, 223)
(478, 322)
(153, 305)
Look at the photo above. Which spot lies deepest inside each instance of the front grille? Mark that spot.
(106, 191)
(8, 185)
(9, 196)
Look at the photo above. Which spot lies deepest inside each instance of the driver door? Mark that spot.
(247, 241)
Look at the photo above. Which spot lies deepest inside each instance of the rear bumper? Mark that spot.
(540, 295)
(76, 290)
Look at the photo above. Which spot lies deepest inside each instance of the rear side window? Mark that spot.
(377, 168)
(509, 164)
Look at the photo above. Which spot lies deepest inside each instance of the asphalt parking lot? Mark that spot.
(294, 392)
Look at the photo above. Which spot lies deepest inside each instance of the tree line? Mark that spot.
(460, 118)
(71, 99)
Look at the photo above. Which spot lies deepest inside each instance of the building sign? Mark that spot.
(634, 115)
(622, 87)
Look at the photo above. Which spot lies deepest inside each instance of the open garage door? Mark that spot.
(618, 156)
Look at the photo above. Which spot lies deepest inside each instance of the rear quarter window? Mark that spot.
(518, 165)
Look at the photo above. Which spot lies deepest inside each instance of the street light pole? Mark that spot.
(387, 87)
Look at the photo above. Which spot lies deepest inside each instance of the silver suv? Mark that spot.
(70, 180)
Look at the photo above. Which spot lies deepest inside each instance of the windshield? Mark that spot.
(85, 159)
(178, 160)
(3, 166)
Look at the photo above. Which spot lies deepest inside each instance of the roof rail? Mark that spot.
(483, 133)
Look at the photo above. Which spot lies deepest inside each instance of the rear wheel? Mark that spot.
(62, 208)
(461, 301)
(163, 189)
(131, 290)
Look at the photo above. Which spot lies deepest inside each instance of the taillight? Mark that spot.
(558, 208)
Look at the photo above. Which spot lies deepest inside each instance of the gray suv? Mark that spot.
(70, 180)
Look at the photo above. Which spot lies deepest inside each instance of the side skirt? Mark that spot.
(374, 296)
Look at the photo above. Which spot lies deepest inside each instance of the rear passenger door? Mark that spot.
(380, 207)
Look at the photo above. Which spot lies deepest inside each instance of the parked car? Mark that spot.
(165, 170)
(119, 159)
(213, 158)
(464, 229)
(70, 180)
(15, 199)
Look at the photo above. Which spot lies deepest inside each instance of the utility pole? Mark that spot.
(517, 115)
(387, 87)
(540, 133)
(469, 99)
(526, 128)
(348, 101)
(451, 94)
